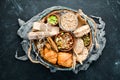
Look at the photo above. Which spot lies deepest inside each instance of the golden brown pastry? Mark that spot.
(65, 59)
(49, 55)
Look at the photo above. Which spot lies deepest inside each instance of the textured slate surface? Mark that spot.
(106, 67)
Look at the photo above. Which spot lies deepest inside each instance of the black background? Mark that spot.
(107, 67)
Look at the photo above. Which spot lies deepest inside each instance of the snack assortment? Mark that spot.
(63, 38)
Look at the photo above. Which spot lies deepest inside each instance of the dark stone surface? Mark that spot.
(107, 67)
